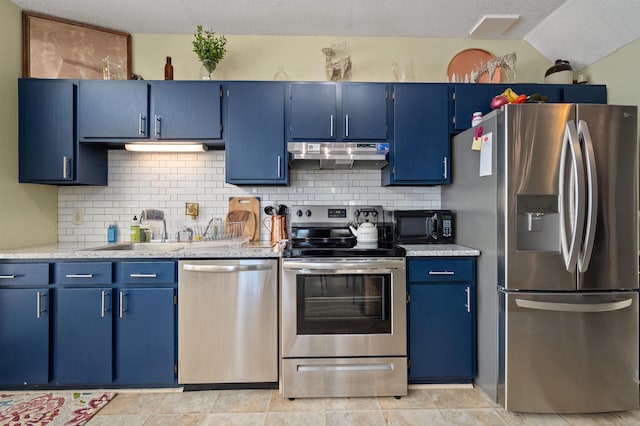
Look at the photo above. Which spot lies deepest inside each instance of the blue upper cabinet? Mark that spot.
(364, 111)
(48, 145)
(469, 98)
(255, 149)
(113, 109)
(338, 111)
(185, 110)
(420, 149)
(140, 110)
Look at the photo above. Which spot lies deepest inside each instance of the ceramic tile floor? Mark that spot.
(430, 406)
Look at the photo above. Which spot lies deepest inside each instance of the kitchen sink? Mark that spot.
(160, 247)
(170, 246)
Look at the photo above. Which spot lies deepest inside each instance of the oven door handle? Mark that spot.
(339, 267)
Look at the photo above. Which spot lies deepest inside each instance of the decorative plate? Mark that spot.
(462, 65)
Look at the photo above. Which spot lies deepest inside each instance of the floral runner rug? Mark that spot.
(51, 408)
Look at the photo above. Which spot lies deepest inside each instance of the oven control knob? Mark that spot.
(374, 213)
(356, 213)
(308, 213)
(365, 213)
(299, 213)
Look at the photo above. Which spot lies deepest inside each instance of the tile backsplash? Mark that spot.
(168, 181)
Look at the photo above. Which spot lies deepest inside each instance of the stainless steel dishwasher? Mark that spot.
(227, 321)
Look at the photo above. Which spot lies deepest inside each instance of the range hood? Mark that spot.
(338, 155)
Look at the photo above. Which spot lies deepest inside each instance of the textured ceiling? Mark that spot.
(582, 31)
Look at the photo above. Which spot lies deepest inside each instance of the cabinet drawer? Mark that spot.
(24, 273)
(94, 273)
(147, 273)
(441, 270)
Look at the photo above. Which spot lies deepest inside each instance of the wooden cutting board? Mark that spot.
(251, 204)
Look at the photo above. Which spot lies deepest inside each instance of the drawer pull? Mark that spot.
(79, 275)
(7, 277)
(441, 273)
(143, 275)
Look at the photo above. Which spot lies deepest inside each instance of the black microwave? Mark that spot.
(419, 226)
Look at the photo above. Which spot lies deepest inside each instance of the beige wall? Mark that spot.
(619, 71)
(28, 213)
(258, 57)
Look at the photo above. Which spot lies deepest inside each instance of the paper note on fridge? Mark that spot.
(485, 155)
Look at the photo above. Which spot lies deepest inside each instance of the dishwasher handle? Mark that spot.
(226, 268)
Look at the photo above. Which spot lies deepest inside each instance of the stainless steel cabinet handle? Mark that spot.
(346, 125)
(38, 311)
(468, 305)
(140, 124)
(225, 268)
(446, 172)
(103, 303)
(7, 277)
(331, 124)
(121, 304)
(442, 273)
(65, 167)
(143, 275)
(79, 276)
(156, 125)
(574, 307)
(279, 166)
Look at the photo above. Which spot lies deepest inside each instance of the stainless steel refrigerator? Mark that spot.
(554, 215)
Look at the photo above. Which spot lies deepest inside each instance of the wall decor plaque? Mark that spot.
(58, 48)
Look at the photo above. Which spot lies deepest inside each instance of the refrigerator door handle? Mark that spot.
(574, 307)
(571, 199)
(592, 197)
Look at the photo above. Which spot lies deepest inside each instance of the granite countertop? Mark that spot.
(417, 250)
(196, 250)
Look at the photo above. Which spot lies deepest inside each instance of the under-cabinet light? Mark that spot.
(165, 147)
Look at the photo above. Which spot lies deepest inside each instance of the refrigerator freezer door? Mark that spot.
(614, 259)
(569, 353)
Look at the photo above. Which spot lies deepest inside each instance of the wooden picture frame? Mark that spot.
(58, 48)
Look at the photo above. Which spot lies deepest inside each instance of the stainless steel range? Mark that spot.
(343, 307)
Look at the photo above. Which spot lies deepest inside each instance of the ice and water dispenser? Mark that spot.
(538, 222)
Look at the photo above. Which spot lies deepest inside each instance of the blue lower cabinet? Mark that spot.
(145, 336)
(441, 324)
(82, 348)
(24, 336)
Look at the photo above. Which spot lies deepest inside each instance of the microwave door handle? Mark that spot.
(592, 197)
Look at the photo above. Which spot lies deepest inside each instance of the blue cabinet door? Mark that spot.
(46, 132)
(441, 332)
(420, 149)
(364, 111)
(113, 109)
(24, 336)
(82, 337)
(145, 336)
(256, 149)
(185, 110)
(584, 94)
(313, 111)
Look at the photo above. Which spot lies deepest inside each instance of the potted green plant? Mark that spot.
(210, 50)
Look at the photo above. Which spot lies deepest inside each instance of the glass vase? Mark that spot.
(206, 71)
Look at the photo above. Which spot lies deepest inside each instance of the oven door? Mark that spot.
(339, 308)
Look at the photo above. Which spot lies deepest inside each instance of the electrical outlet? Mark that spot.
(77, 217)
